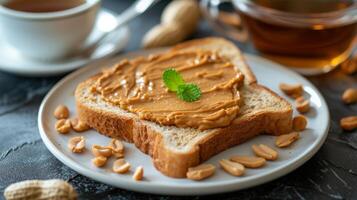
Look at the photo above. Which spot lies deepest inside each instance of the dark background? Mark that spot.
(330, 174)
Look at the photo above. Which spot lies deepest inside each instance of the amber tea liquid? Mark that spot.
(315, 46)
(42, 5)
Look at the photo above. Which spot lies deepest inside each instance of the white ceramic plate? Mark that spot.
(268, 73)
(12, 61)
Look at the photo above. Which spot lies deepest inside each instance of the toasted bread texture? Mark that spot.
(173, 149)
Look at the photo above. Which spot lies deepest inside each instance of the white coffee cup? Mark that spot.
(48, 35)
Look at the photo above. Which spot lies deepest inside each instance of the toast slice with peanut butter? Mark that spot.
(176, 134)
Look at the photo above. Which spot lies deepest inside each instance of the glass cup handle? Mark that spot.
(225, 22)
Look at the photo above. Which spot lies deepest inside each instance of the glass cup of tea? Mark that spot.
(310, 36)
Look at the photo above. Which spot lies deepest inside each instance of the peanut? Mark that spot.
(61, 112)
(77, 144)
(302, 105)
(117, 148)
(349, 123)
(178, 20)
(98, 150)
(138, 174)
(99, 161)
(78, 125)
(234, 168)
(164, 35)
(200, 172)
(186, 13)
(292, 90)
(299, 123)
(249, 161)
(40, 189)
(63, 126)
(287, 139)
(121, 166)
(349, 96)
(265, 151)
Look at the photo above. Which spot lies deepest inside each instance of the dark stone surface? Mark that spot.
(330, 174)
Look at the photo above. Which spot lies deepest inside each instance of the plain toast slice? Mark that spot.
(173, 149)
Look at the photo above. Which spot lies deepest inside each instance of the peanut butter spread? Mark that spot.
(137, 87)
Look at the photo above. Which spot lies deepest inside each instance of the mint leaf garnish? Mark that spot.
(172, 79)
(174, 82)
(189, 92)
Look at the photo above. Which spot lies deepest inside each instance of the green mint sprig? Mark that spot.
(174, 82)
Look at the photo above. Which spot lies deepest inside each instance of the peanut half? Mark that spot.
(265, 151)
(40, 189)
(63, 126)
(200, 172)
(117, 148)
(99, 161)
(121, 166)
(287, 139)
(292, 90)
(302, 105)
(77, 144)
(299, 123)
(78, 125)
(61, 112)
(349, 123)
(98, 150)
(138, 174)
(249, 161)
(349, 96)
(234, 168)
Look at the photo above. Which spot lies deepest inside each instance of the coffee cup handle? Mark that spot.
(228, 23)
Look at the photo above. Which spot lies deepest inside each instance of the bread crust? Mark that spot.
(146, 139)
(174, 163)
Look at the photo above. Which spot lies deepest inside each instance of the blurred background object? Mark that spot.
(311, 37)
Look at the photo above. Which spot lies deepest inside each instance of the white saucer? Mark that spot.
(267, 72)
(12, 61)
